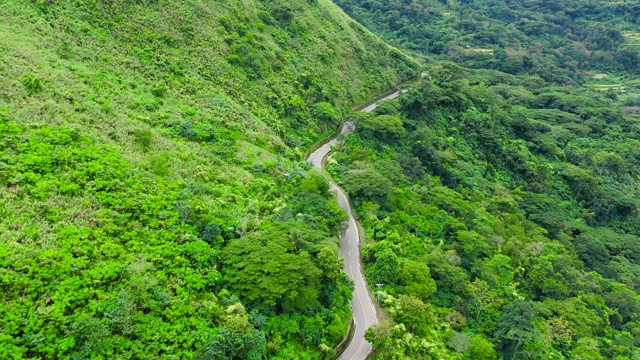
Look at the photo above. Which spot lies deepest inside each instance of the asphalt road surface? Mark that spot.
(362, 307)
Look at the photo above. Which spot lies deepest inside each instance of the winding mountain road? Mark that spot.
(362, 307)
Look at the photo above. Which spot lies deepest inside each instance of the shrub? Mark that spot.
(160, 90)
(32, 84)
(143, 138)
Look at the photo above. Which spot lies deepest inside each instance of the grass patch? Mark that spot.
(478, 50)
(632, 37)
(607, 87)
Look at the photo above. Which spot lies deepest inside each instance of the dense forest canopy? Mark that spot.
(557, 40)
(153, 200)
(500, 195)
(502, 221)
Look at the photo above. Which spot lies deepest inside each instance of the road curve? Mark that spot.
(362, 307)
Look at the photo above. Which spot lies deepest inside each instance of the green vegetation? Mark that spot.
(632, 38)
(557, 40)
(607, 87)
(515, 186)
(153, 203)
(502, 221)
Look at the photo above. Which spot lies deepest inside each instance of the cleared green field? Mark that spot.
(478, 50)
(633, 38)
(607, 87)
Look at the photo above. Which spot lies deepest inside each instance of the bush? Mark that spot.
(143, 138)
(159, 90)
(32, 84)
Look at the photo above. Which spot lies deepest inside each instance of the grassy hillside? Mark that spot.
(150, 174)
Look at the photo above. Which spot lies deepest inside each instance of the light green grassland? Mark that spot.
(476, 50)
(632, 37)
(607, 87)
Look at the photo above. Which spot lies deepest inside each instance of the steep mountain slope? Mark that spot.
(153, 199)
